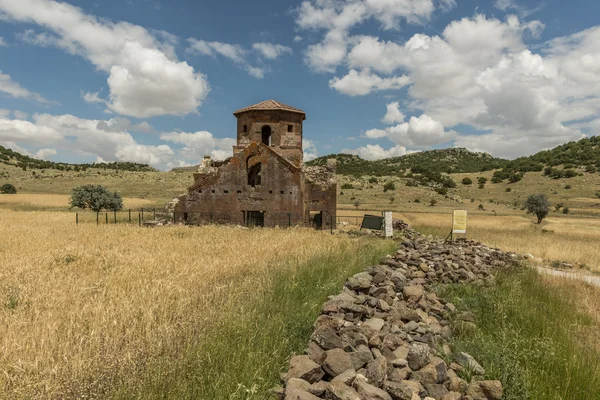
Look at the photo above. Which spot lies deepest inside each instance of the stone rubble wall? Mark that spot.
(385, 336)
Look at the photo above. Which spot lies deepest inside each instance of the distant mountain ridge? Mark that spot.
(11, 157)
(451, 160)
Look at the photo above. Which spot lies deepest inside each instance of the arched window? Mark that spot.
(254, 176)
(266, 135)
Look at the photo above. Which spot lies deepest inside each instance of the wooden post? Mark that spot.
(154, 215)
(106, 215)
(139, 219)
(142, 213)
(76, 218)
(115, 215)
(97, 217)
(130, 215)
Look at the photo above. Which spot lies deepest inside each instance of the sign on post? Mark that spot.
(459, 221)
(388, 224)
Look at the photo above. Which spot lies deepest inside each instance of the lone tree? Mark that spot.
(539, 205)
(7, 188)
(96, 198)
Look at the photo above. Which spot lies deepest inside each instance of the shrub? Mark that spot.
(467, 181)
(411, 183)
(481, 207)
(558, 206)
(539, 205)
(515, 177)
(566, 210)
(392, 198)
(373, 180)
(443, 191)
(568, 187)
(417, 200)
(96, 198)
(389, 186)
(482, 180)
(432, 202)
(347, 186)
(7, 188)
(357, 203)
(591, 169)
(598, 195)
(570, 173)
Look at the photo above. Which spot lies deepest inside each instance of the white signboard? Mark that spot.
(459, 221)
(387, 222)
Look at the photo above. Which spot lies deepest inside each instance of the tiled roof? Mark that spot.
(269, 105)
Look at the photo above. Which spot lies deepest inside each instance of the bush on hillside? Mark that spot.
(389, 186)
(373, 180)
(443, 191)
(7, 188)
(96, 198)
(539, 205)
(467, 181)
(347, 186)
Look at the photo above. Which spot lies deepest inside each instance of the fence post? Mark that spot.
(289, 220)
(154, 215)
(106, 215)
(115, 215)
(174, 217)
(139, 219)
(142, 213)
(211, 217)
(76, 218)
(97, 217)
(130, 215)
(331, 223)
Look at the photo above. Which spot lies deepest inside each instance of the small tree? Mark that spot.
(539, 205)
(357, 203)
(467, 181)
(7, 188)
(96, 198)
(389, 186)
(432, 202)
(392, 198)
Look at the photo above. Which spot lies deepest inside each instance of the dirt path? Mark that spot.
(592, 280)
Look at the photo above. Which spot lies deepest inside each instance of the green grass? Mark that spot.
(250, 344)
(529, 337)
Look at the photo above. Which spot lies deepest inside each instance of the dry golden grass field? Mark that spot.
(56, 202)
(88, 308)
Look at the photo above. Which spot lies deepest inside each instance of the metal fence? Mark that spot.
(131, 216)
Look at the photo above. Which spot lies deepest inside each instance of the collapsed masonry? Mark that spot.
(385, 337)
(265, 182)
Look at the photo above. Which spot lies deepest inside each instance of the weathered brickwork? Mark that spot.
(264, 183)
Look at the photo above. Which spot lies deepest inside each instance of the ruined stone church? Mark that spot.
(265, 182)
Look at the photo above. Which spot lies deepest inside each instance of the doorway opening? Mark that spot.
(255, 218)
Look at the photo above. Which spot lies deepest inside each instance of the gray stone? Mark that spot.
(337, 361)
(341, 391)
(374, 323)
(327, 338)
(297, 383)
(304, 368)
(399, 390)
(418, 356)
(347, 377)
(485, 390)
(467, 361)
(360, 281)
(435, 390)
(377, 370)
(370, 392)
(298, 394)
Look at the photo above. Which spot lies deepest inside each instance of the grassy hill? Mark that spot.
(438, 161)
(10, 157)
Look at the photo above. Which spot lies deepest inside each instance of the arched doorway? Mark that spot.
(266, 135)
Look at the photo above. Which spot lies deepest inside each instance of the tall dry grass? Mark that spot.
(85, 308)
(573, 240)
(36, 201)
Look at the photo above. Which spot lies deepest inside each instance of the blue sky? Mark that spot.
(156, 81)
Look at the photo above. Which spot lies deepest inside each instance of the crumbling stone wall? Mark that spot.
(385, 337)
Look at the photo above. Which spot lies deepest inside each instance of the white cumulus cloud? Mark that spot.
(13, 89)
(361, 83)
(145, 78)
(271, 51)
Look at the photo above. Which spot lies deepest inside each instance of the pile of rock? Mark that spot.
(385, 336)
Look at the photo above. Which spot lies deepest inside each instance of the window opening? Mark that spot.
(290, 128)
(266, 135)
(245, 129)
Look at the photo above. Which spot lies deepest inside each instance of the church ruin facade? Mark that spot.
(265, 182)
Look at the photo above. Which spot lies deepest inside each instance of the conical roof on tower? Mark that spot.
(269, 105)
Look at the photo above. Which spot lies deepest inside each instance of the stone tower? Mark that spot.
(274, 124)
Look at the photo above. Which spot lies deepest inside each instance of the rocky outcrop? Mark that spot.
(385, 336)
